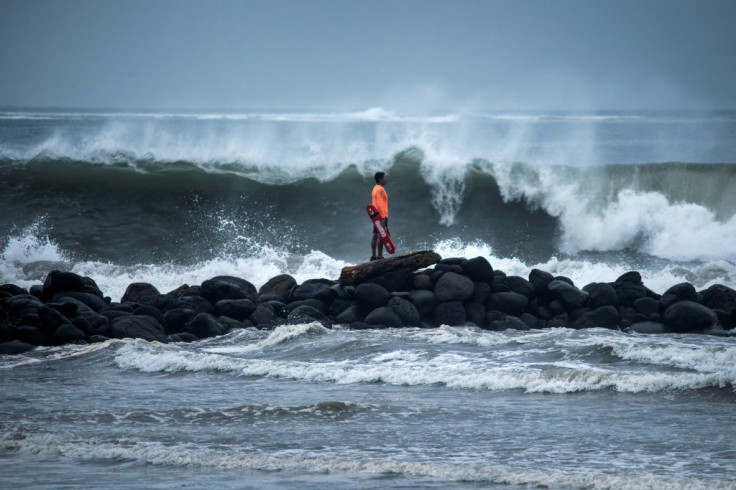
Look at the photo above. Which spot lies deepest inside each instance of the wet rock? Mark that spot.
(308, 314)
(196, 303)
(601, 294)
(316, 291)
(57, 281)
(422, 281)
(521, 286)
(476, 313)
(338, 306)
(629, 291)
(92, 324)
(264, 316)
(425, 301)
(139, 292)
(632, 277)
(94, 302)
(384, 316)
(177, 318)
(407, 312)
(720, 297)
(229, 324)
(138, 326)
(237, 309)
(602, 317)
(679, 292)
(726, 319)
(502, 321)
(510, 303)
(11, 290)
(570, 296)
(182, 337)
(478, 269)
(453, 287)
(51, 319)
(247, 287)
(97, 339)
(530, 320)
(349, 316)
(647, 307)
(450, 313)
(204, 325)
(397, 280)
(481, 293)
(688, 316)
(68, 334)
(15, 347)
(647, 328)
(540, 280)
(369, 296)
(214, 290)
(280, 286)
(32, 335)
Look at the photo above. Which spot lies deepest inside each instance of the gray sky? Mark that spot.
(403, 55)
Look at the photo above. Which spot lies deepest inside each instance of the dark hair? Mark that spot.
(379, 176)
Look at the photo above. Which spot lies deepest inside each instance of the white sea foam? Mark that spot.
(280, 335)
(449, 369)
(200, 457)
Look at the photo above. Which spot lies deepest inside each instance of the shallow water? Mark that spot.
(306, 407)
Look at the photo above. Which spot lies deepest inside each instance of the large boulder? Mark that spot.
(177, 318)
(139, 292)
(68, 334)
(601, 294)
(57, 281)
(510, 303)
(15, 347)
(679, 292)
(475, 313)
(250, 290)
(602, 317)
(570, 296)
(406, 311)
(629, 291)
(349, 315)
(478, 269)
(308, 314)
(280, 286)
(214, 290)
(237, 309)
(425, 301)
(384, 316)
(306, 291)
(454, 287)
(688, 316)
(450, 313)
(647, 328)
(520, 285)
(397, 280)
(138, 326)
(496, 320)
(720, 297)
(647, 307)
(204, 326)
(540, 280)
(93, 301)
(264, 316)
(92, 324)
(369, 296)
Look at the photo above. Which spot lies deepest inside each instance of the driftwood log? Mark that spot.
(414, 260)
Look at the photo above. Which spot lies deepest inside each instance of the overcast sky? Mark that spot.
(403, 55)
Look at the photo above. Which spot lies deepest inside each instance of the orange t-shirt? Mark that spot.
(380, 200)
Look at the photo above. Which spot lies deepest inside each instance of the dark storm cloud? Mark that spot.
(409, 55)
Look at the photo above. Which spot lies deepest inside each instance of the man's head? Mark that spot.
(380, 177)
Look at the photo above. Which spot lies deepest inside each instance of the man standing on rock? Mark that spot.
(379, 199)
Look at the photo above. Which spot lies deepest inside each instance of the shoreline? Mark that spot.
(68, 308)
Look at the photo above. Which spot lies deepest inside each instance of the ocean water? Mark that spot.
(179, 198)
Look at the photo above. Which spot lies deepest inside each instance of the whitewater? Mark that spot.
(178, 198)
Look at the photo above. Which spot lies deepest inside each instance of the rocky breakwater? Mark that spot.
(391, 293)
